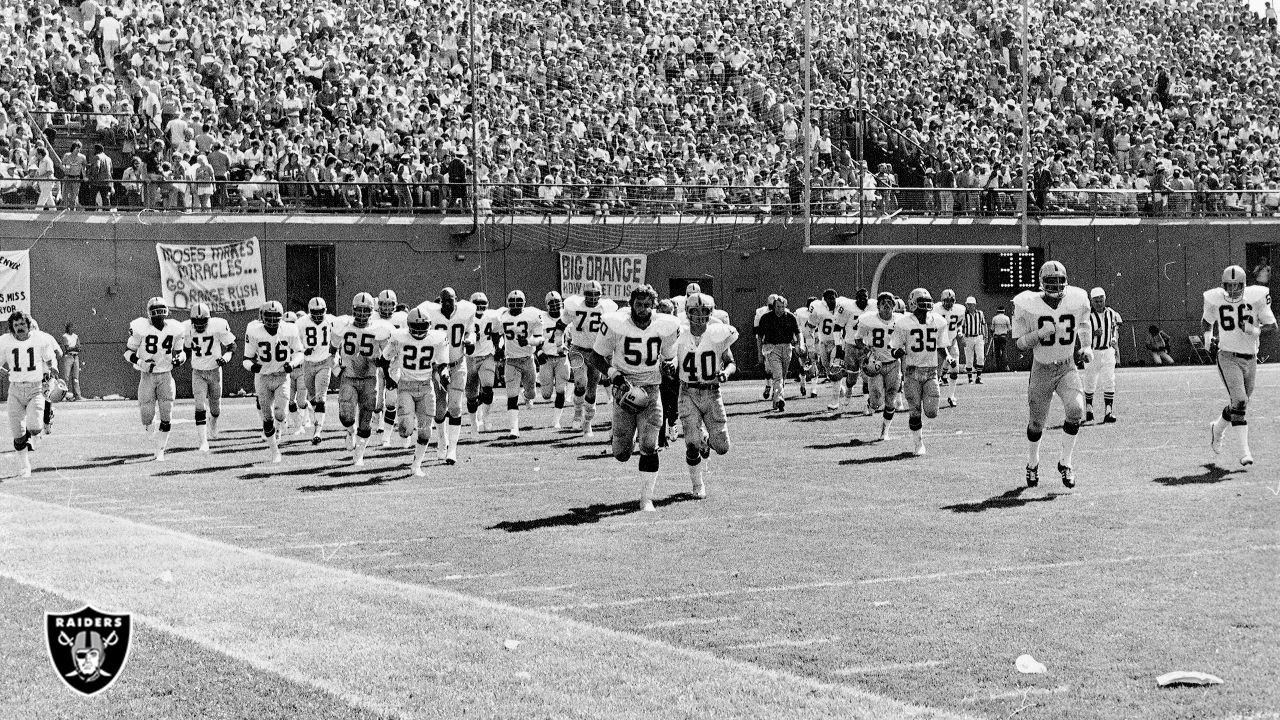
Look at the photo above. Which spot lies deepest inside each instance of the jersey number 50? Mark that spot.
(631, 351)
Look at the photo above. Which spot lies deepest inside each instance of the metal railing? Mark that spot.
(420, 196)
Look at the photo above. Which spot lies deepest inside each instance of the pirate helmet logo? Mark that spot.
(88, 648)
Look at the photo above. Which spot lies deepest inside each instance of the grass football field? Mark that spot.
(826, 575)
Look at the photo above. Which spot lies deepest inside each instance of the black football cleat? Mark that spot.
(1110, 418)
(766, 393)
(1033, 476)
(1068, 475)
(1088, 416)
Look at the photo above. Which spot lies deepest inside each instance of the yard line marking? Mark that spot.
(683, 622)
(1020, 693)
(453, 578)
(343, 544)
(191, 519)
(389, 553)
(416, 565)
(534, 589)
(230, 527)
(889, 667)
(832, 584)
(370, 621)
(783, 643)
(713, 518)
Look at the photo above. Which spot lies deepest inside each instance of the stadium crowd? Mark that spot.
(609, 105)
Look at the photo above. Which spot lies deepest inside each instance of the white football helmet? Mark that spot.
(699, 307)
(1233, 282)
(362, 306)
(1053, 278)
(919, 299)
(554, 302)
(271, 314)
(200, 315)
(387, 302)
(515, 301)
(592, 292)
(692, 289)
(481, 301)
(948, 298)
(418, 323)
(634, 400)
(157, 307)
(317, 308)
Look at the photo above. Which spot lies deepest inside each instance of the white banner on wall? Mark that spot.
(15, 282)
(617, 274)
(228, 277)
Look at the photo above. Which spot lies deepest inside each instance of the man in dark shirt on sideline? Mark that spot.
(778, 331)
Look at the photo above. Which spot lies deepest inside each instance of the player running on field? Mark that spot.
(457, 320)
(584, 317)
(359, 343)
(420, 351)
(155, 349)
(28, 361)
(522, 332)
(917, 338)
(316, 330)
(210, 341)
(704, 361)
(884, 377)
(1236, 314)
(271, 349)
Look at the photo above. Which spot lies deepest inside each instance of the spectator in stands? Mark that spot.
(73, 174)
(42, 170)
(99, 177)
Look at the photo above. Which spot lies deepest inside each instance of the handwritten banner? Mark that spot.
(617, 274)
(15, 282)
(227, 277)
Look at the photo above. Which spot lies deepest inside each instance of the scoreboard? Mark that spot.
(1008, 273)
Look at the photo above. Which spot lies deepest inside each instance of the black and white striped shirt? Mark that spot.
(1105, 325)
(975, 323)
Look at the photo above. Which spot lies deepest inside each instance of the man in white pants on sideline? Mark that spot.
(1105, 323)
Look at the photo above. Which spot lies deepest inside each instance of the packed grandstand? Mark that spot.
(619, 106)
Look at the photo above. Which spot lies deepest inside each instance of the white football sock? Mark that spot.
(23, 456)
(452, 433)
(203, 432)
(695, 475)
(358, 453)
(318, 422)
(514, 415)
(1068, 448)
(1033, 453)
(1244, 439)
(273, 444)
(648, 483)
(419, 451)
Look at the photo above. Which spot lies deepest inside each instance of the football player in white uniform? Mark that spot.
(917, 338)
(295, 381)
(457, 320)
(704, 360)
(271, 349)
(584, 317)
(316, 331)
(808, 340)
(1054, 325)
(155, 349)
(1236, 314)
(1104, 322)
(822, 318)
(846, 329)
(420, 351)
(553, 374)
(210, 341)
(358, 344)
(634, 348)
(28, 361)
(522, 332)
(884, 376)
(393, 318)
(755, 329)
(953, 314)
(481, 362)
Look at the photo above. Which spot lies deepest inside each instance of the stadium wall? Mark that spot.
(98, 270)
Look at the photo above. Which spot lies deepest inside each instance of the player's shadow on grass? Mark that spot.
(1010, 499)
(841, 445)
(585, 515)
(104, 461)
(824, 416)
(878, 459)
(512, 443)
(200, 470)
(268, 474)
(371, 482)
(1212, 474)
(745, 413)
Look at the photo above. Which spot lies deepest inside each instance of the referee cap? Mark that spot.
(1097, 293)
(970, 301)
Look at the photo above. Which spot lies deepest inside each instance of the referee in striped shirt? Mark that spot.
(1105, 324)
(974, 330)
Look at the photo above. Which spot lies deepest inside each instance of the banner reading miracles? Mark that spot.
(227, 277)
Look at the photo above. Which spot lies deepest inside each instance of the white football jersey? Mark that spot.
(27, 360)
(698, 358)
(556, 329)
(459, 327)
(874, 332)
(1071, 319)
(270, 350)
(583, 322)
(316, 337)
(358, 348)
(485, 327)
(808, 331)
(414, 357)
(823, 318)
(206, 347)
(155, 345)
(638, 352)
(845, 319)
(760, 313)
(954, 319)
(921, 340)
(1239, 323)
(396, 320)
(528, 324)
